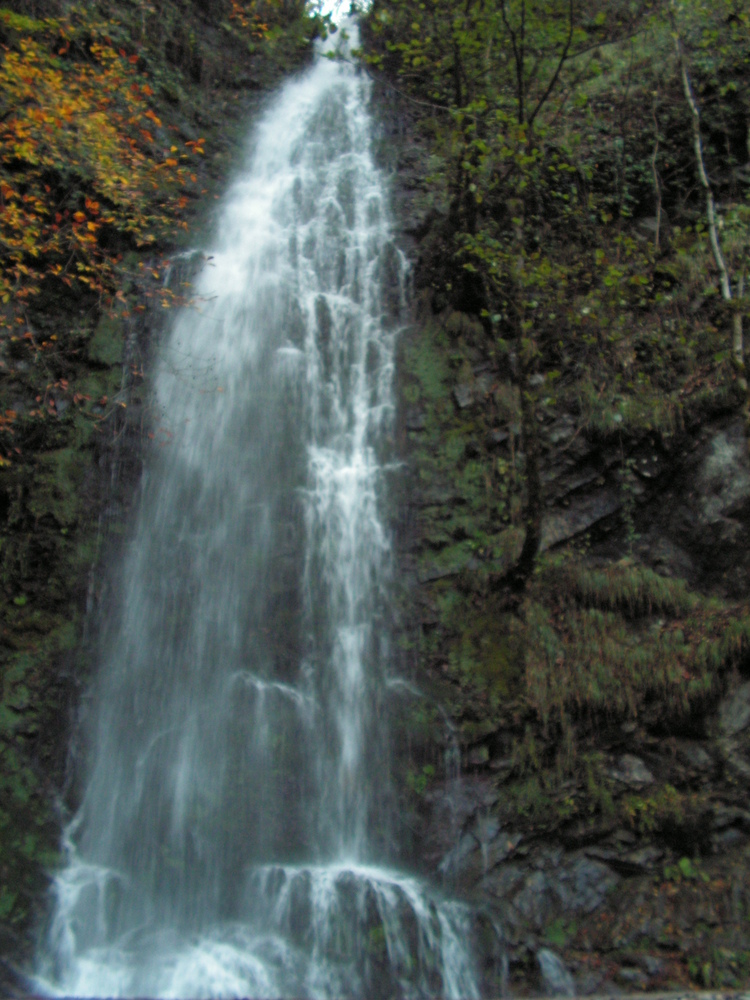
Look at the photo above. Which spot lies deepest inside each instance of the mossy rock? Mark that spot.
(97, 385)
(106, 345)
(29, 712)
(485, 654)
(460, 323)
(57, 485)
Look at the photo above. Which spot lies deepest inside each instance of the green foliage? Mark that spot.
(650, 813)
(567, 249)
(685, 870)
(531, 799)
(553, 137)
(418, 782)
(560, 932)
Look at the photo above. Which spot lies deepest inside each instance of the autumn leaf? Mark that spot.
(75, 120)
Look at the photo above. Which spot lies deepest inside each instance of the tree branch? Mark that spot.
(516, 56)
(561, 62)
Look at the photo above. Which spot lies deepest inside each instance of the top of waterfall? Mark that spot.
(342, 39)
(341, 9)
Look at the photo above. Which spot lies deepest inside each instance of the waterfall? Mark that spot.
(234, 836)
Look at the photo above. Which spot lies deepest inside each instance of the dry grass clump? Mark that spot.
(614, 640)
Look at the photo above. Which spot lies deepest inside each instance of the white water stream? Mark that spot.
(234, 836)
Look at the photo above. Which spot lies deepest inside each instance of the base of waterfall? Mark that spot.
(306, 931)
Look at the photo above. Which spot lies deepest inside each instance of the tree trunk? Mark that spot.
(732, 300)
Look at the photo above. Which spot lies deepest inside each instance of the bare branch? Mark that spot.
(517, 56)
(560, 63)
(521, 80)
(713, 229)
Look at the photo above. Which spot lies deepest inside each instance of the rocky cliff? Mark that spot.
(577, 751)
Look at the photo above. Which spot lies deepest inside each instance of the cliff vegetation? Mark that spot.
(117, 122)
(572, 180)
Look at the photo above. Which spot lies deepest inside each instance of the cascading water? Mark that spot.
(234, 832)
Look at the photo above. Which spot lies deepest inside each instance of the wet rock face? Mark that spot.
(584, 886)
(734, 712)
(561, 887)
(709, 512)
(723, 479)
(691, 502)
(733, 736)
(556, 979)
(451, 822)
(630, 771)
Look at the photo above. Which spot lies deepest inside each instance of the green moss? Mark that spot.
(483, 654)
(28, 833)
(418, 781)
(598, 796)
(29, 716)
(598, 662)
(530, 799)
(451, 558)
(426, 361)
(106, 345)
(97, 385)
(648, 813)
(462, 324)
(634, 408)
(57, 484)
(560, 932)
